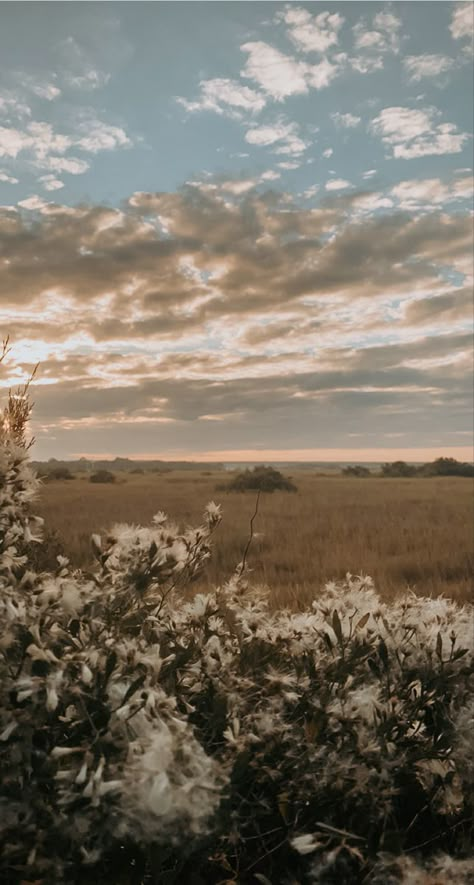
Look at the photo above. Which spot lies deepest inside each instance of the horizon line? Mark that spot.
(462, 453)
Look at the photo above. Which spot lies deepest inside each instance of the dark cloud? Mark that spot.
(450, 307)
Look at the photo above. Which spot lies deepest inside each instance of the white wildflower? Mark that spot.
(305, 844)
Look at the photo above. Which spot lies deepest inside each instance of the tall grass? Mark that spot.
(415, 532)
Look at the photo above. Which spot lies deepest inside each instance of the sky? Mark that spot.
(239, 230)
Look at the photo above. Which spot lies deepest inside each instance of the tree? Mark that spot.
(448, 467)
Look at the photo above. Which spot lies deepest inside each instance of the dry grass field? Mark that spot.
(416, 532)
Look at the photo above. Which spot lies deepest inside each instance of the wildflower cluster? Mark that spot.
(149, 735)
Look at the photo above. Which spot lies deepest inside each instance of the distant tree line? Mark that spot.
(65, 469)
(439, 467)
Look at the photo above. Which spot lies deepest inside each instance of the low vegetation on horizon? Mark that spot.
(54, 469)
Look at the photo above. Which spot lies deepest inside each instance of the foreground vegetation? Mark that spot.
(401, 531)
(150, 737)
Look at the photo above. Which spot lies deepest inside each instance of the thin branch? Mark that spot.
(338, 832)
(244, 558)
(5, 349)
(455, 826)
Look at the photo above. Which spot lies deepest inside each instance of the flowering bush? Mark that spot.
(148, 736)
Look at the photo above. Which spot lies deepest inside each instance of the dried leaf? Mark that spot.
(283, 806)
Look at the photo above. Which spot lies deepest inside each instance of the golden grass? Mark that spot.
(416, 532)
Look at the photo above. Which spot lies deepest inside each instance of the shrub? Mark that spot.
(356, 470)
(398, 469)
(104, 476)
(58, 473)
(146, 736)
(261, 478)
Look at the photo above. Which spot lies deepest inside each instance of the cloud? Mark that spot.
(462, 21)
(310, 33)
(43, 147)
(447, 308)
(5, 178)
(365, 64)
(337, 184)
(346, 121)
(248, 411)
(375, 41)
(237, 187)
(80, 70)
(321, 75)
(72, 165)
(419, 67)
(191, 305)
(371, 202)
(416, 193)
(11, 106)
(372, 42)
(48, 91)
(311, 192)
(42, 88)
(277, 74)
(89, 79)
(369, 173)
(414, 133)
(270, 175)
(284, 135)
(33, 203)
(228, 97)
(12, 141)
(252, 255)
(280, 75)
(328, 153)
(95, 136)
(50, 183)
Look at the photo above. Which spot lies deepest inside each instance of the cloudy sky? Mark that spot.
(239, 230)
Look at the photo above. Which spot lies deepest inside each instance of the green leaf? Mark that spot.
(459, 653)
(336, 626)
(133, 688)
(373, 666)
(383, 654)
(327, 640)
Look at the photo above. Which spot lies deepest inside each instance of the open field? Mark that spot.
(400, 531)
